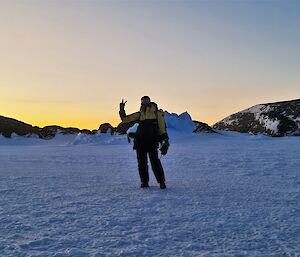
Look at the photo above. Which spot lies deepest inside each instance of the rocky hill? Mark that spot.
(274, 119)
(8, 126)
(202, 127)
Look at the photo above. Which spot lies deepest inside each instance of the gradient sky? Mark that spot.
(70, 62)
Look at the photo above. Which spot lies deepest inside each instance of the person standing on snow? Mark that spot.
(150, 133)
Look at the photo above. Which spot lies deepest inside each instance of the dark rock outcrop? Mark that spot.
(94, 131)
(106, 128)
(49, 132)
(9, 126)
(202, 127)
(274, 119)
(89, 132)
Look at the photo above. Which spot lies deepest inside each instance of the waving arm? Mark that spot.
(127, 118)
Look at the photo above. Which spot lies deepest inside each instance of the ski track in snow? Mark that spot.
(227, 196)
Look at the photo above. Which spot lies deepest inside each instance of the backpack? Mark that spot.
(131, 132)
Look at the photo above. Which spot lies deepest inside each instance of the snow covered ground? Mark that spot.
(227, 195)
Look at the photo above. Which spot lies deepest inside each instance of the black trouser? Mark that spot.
(155, 164)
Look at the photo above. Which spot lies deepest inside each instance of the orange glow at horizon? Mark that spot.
(41, 116)
(70, 63)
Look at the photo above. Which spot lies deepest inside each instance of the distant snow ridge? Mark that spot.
(274, 119)
(98, 139)
(86, 139)
(179, 123)
(133, 129)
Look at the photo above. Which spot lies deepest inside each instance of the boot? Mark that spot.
(143, 185)
(162, 185)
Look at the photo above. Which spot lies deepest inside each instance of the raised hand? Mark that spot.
(122, 105)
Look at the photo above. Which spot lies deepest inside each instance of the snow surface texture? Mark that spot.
(227, 195)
